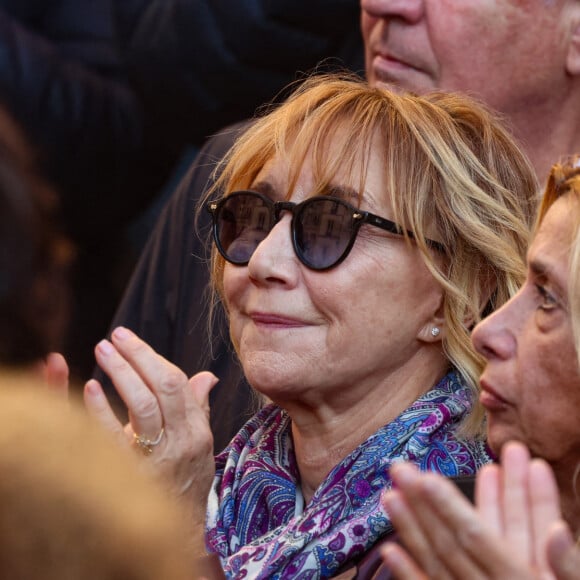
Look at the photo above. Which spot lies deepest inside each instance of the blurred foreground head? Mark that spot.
(74, 505)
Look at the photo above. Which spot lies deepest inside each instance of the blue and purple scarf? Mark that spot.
(257, 522)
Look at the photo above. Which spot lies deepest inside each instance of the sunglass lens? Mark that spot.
(244, 220)
(323, 232)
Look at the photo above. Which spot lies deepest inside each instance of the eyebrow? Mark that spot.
(343, 192)
(540, 268)
(264, 187)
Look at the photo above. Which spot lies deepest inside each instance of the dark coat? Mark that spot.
(63, 79)
(210, 63)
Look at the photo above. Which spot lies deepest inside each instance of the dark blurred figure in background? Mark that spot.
(34, 257)
(111, 94)
(72, 503)
(62, 78)
(209, 63)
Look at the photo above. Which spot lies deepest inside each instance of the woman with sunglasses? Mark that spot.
(359, 236)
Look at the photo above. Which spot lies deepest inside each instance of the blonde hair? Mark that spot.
(72, 503)
(564, 179)
(448, 164)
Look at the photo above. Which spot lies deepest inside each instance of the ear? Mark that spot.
(433, 330)
(573, 55)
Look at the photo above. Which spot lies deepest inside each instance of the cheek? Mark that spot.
(456, 31)
(233, 282)
(551, 400)
(367, 24)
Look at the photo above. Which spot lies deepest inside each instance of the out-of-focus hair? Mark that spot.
(33, 255)
(450, 168)
(73, 504)
(564, 179)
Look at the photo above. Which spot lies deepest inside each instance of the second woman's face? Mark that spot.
(331, 336)
(531, 383)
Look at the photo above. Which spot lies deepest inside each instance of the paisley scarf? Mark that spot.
(257, 522)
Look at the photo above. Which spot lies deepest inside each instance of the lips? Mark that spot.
(275, 320)
(491, 399)
(387, 59)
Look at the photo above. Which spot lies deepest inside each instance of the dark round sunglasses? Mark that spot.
(323, 228)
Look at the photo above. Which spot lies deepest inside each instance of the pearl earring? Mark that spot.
(435, 331)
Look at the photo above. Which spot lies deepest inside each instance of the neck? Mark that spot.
(326, 432)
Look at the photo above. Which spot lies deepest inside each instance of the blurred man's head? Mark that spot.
(522, 57)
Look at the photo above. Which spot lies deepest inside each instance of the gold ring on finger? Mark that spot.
(145, 444)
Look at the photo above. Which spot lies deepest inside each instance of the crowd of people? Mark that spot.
(351, 340)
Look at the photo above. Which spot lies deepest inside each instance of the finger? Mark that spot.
(144, 411)
(421, 528)
(56, 373)
(478, 553)
(515, 460)
(409, 529)
(197, 406)
(488, 496)
(544, 508)
(165, 380)
(400, 564)
(98, 407)
(200, 386)
(563, 553)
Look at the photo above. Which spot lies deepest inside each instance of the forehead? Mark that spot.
(551, 245)
(361, 168)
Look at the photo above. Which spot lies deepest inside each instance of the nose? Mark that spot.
(495, 337)
(409, 10)
(274, 260)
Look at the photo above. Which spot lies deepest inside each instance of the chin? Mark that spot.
(499, 435)
(268, 378)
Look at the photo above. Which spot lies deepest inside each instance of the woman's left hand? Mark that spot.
(504, 536)
(168, 414)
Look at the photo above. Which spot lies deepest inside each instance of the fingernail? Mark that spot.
(403, 473)
(390, 555)
(122, 333)
(393, 504)
(92, 388)
(105, 347)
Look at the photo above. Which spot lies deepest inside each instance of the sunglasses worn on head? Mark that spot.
(323, 228)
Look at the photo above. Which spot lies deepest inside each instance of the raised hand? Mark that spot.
(168, 415)
(444, 536)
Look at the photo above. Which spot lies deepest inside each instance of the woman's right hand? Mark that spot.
(168, 415)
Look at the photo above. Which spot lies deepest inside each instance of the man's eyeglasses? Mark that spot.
(323, 228)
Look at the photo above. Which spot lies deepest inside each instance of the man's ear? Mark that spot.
(573, 56)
